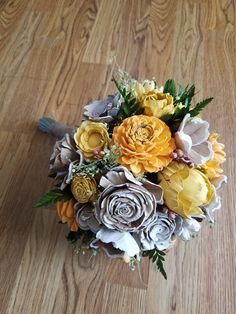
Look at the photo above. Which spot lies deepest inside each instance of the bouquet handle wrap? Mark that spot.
(54, 128)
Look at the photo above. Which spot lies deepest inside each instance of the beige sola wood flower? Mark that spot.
(192, 138)
(127, 204)
(158, 234)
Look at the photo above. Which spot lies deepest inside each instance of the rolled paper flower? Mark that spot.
(145, 144)
(126, 204)
(84, 189)
(192, 138)
(66, 214)
(103, 110)
(91, 137)
(186, 228)
(186, 189)
(85, 217)
(212, 168)
(158, 233)
(64, 152)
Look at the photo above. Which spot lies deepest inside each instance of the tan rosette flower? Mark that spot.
(91, 137)
(66, 213)
(186, 189)
(84, 189)
(145, 144)
(158, 234)
(64, 152)
(85, 217)
(126, 204)
(212, 168)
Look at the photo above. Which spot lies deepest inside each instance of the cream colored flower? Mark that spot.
(192, 138)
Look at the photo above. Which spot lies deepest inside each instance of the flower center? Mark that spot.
(143, 133)
(95, 140)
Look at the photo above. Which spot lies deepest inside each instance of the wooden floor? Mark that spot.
(54, 58)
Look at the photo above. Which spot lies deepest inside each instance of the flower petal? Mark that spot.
(201, 153)
(120, 240)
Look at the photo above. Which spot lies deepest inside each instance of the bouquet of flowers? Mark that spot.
(140, 171)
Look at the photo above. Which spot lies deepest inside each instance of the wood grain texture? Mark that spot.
(54, 58)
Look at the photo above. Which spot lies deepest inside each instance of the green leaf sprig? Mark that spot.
(182, 102)
(158, 258)
(130, 106)
(52, 197)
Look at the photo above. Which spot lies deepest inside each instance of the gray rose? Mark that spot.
(126, 204)
(85, 217)
(158, 233)
(64, 152)
(103, 110)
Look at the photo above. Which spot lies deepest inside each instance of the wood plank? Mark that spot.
(55, 56)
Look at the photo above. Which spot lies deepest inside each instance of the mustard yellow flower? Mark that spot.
(185, 189)
(84, 189)
(145, 144)
(91, 137)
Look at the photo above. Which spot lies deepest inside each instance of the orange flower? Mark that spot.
(66, 213)
(145, 144)
(212, 167)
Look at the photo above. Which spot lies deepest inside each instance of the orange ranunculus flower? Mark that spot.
(145, 144)
(66, 213)
(212, 167)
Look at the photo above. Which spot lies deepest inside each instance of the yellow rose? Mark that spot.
(66, 214)
(212, 167)
(91, 137)
(185, 189)
(84, 189)
(145, 144)
(157, 104)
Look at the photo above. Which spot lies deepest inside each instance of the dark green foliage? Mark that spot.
(130, 106)
(158, 258)
(182, 103)
(199, 106)
(170, 88)
(52, 197)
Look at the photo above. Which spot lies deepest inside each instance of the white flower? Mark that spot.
(215, 204)
(192, 137)
(120, 240)
(185, 228)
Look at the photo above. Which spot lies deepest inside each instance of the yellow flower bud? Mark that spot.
(84, 189)
(185, 189)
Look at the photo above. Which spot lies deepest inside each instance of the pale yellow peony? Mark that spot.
(91, 137)
(153, 100)
(185, 189)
